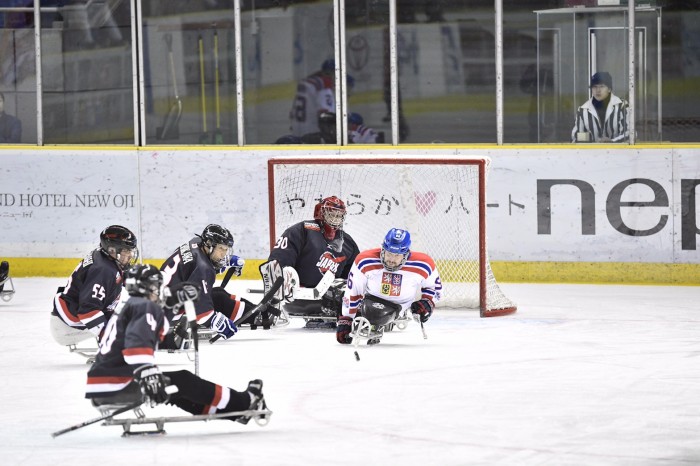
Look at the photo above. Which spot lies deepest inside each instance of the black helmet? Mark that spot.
(143, 280)
(115, 240)
(216, 234)
(326, 126)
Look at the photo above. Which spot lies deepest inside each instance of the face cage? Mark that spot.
(333, 216)
(397, 267)
(115, 253)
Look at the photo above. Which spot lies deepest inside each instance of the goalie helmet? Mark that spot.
(119, 243)
(144, 280)
(214, 235)
(379, 311)
(395, 249)
(330, 215)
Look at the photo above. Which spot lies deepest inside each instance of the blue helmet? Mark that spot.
(396, 241)
(289, 139)
(328, 65)
(355, 119)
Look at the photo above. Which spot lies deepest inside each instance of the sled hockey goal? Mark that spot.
(440, 201)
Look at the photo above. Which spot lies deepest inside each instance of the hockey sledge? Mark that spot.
(8, 289)
(88, 353)
(109, 412)
(260, 416)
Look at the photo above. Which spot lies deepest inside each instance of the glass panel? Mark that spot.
(520, 72)
(17, 74)
(447, 70)
(286, 85)
(190, 72)
(367, 62)
(87, 72)
(576, 43)
(681, 71)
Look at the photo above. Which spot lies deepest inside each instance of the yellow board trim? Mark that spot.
(516, 272)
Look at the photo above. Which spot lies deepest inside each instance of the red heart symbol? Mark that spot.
(425, 202)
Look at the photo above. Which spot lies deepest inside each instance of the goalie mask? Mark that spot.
(395, 249)
(119, 243)
(379, 311)
(330, 215)
(144, 280)
(219, 243)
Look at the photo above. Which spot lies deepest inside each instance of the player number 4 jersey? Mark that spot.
(417, 279)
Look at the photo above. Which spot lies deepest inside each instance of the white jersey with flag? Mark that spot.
(417, 279)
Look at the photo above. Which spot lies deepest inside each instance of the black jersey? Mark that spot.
(190, 263)
(92, 292)
(129, 341)
(304, 247)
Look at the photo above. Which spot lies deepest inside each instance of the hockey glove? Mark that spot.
(236, 263)
(223, 326)
(423, 309)
(150, 379)
(343, 329)
(176, 295)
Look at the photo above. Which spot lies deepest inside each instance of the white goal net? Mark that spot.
(441, 202)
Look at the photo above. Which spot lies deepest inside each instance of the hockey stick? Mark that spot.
(104, 417)
(218, 137)
(259, 308)
(422, 329)
(227, 277)
(310, 293)
(172, 119)
(204, 137)
(192, 319)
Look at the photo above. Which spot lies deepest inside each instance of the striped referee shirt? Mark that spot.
(614, 127)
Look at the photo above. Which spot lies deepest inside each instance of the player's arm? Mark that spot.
(431, 292)
(351, 254)
(352, 301)
(204, 277)
(355, 290)
(98, 286)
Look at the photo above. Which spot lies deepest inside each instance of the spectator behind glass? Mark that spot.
(10, 127)
(603, 118)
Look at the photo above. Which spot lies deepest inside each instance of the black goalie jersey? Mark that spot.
(190, 263)
(129, 341)
(304, 247)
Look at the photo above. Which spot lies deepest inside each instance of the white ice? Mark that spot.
(580, 375)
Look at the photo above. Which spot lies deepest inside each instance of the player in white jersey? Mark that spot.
(395, 274)
(315, 95)
(358, 133)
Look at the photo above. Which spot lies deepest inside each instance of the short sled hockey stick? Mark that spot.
(104, 417)
(227, 277)
(310, 293)
(422, 329)
(259, 308)
(191, 316)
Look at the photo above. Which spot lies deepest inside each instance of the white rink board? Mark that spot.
(180, 191)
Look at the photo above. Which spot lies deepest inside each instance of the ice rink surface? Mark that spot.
(580, 375)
